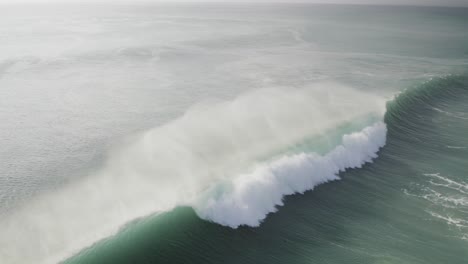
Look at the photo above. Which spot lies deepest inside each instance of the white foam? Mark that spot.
(458, 222)
(442, 181)
(252, 196)
(455, 147)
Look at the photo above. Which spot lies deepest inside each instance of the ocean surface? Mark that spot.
(233, 133)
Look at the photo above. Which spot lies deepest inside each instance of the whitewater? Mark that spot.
(214, 158)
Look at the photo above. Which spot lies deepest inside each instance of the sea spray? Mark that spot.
(175, 164)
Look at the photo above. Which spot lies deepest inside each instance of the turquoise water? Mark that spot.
(233, 133)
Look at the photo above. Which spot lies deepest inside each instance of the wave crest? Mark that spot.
(250, 197)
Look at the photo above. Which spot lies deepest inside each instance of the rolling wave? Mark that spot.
(250, 197)
(402, 111)
(228, 160)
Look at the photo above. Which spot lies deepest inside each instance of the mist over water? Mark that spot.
(115, 113)
(174, 164)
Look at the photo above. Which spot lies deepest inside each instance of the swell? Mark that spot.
(428, 125)
(406, 110)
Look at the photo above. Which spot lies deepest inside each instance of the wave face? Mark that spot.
(434, 117)
(222, 158)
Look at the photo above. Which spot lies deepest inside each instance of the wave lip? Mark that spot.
(251, 197)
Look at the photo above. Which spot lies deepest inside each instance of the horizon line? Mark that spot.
(139, 2)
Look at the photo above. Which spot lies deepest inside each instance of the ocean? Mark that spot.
(233, 133)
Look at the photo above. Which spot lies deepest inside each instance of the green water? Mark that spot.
(409, 206)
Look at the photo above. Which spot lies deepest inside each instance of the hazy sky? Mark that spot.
(391, 2)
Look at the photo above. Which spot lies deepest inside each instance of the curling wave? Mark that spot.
(252, 196)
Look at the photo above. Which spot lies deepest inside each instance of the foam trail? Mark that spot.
(176, 163)
(252, 196)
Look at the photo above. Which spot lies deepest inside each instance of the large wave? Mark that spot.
(250, 197)
(232, 161)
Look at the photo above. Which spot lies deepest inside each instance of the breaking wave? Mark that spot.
(252, 196)
(231, 161)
